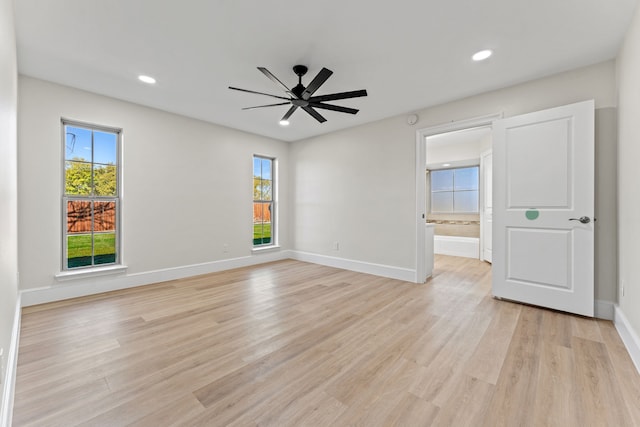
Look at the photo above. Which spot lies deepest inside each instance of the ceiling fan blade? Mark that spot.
(314, 114)
(336, 96)
(289, 113)
(268, 105)
(276, 81)
(317, 81)
(258, 93)
(333, 107)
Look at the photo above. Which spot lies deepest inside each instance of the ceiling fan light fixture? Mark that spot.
(482, 55)
(147, 79)
(283, 122)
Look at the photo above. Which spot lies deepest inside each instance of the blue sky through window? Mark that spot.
(262, 168)
(78, 145)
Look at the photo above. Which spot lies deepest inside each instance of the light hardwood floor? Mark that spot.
(291, 343)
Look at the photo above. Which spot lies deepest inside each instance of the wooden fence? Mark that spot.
(261, 212)
(79, 216)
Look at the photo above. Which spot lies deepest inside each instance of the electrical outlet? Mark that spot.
(622, 287)
(336, 246)
(225, 248)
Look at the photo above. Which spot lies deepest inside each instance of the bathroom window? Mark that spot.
(455, 190)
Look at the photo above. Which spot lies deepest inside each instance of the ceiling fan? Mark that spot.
(301, 96)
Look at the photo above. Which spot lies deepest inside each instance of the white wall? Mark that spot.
(8, 186)
(187, 184)
(628, 67)
(357, 186)
(457, 147)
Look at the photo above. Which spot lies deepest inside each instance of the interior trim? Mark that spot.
(9, 386)
(398, 273)
(628, 335)
(99, 284)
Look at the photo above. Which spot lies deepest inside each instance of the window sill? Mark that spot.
(90, 272)
(262, 249)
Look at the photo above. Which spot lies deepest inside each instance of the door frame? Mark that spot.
(421, 165)
(483, 201)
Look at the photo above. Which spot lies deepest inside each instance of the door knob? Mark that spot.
(582, 219)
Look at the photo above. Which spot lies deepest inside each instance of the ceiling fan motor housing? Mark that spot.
(300, 70)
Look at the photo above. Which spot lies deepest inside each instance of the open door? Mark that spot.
(543, 207)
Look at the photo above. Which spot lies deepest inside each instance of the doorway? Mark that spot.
(458, 205)
(422, 162)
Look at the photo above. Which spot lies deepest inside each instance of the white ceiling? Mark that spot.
(408, 54)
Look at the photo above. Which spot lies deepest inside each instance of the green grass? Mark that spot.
(79, 245)
(79, 249)
(261, 233)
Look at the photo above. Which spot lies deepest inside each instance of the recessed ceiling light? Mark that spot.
(147, 79)
(284, 122)
(482, 55)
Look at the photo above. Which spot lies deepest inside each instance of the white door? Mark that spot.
(486, 171)
(543, 206)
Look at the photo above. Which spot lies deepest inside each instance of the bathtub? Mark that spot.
(468, 247)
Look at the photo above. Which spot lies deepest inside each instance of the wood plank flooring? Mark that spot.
(292, 344)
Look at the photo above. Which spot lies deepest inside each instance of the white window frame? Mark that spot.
(93, 268)
(273, 202)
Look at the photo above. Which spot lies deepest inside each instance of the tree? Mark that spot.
(261, 188)
(78, 179)
(104, 180)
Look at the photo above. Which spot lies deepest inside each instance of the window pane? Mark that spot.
(258, 221)
(78, 250)
(104, 246)
(257, 234)
(442, 202)
(105, 180)
(257, 192)
(77, 178)
(261, 223)
(78, 216)
(266, 169)
(104, 216)
(466, 201)
(77, 143)
(442, 180)
(266, 189)
(257, 167)
(266, 232)
(259, 213)
(466, 178)
(104, 147)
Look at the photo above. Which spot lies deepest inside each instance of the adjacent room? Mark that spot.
(277, 213)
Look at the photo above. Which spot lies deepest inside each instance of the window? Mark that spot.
(455, 190)
(90, 201)
(263, 209)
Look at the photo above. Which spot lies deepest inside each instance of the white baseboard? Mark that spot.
(604, 309)
(98, 284)
(629, 336)
(8, 389)
(405, 274)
